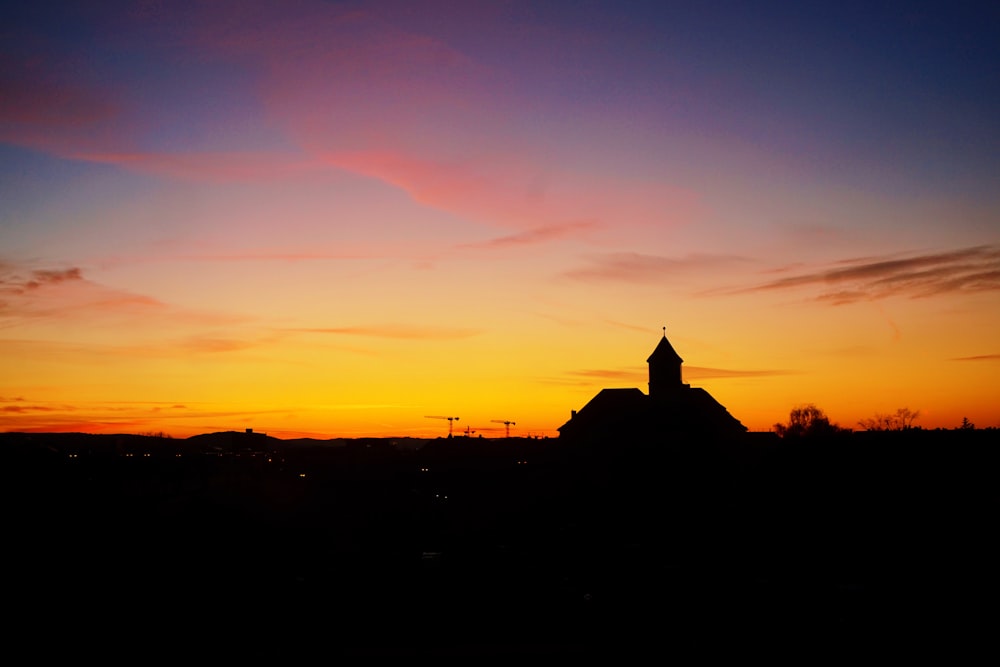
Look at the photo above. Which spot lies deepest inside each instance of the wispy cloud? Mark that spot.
(97, 355)
(704, 373)
(275, 256)
(121, 417)
(71, 424)
(518, 191)
(22, 409)
(545, 234)
(349, 87)
(292, 255)
(637, 376)
(629, 374)
(15, 279)
(633, 267)
(399, 331)
(212, 344)
(975, 269)
(29, 294)
(690, 372)
(979, 357)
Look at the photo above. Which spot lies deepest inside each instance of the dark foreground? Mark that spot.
(232, 547)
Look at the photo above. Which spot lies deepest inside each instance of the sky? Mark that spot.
(351, 219)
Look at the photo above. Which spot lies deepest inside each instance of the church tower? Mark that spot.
(664, 369)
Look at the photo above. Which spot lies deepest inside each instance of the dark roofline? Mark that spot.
(664, 348)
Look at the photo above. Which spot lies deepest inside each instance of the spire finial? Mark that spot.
(664, 332)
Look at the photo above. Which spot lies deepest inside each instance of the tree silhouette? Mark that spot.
(807, 421)
(901, 420)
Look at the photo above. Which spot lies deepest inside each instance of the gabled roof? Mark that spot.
(631, 413)
(664, 352)
(615, 400)
(608, 406)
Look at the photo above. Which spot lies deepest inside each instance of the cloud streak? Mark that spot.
(704, 373)
(23, 409)
(638, 268)
(83, 299)
(963, 271)
(641, 375)
(630, 375)
(538, 235)
(397, 331)
(30, 295)
(15, 280)
(345, 88)
(979, 357)
(518, 191)
(119, 417)
(216, 345)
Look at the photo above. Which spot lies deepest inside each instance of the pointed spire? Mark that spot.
(664, 350)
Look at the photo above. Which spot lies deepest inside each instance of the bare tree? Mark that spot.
(901, 420)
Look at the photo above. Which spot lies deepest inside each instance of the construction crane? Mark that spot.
(505, 422)
(451, 421)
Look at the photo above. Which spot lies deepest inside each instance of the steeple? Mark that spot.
(664, 368)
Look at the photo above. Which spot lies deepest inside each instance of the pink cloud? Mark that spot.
(363, 95)
(275, 256)
(353, 91)
(17, 280)
(537, 235)
(32, 295)
(461, 186)
(50, 276)
(513, 191)
(68, 300)
(216, 253)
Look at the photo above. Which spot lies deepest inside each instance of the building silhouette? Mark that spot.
(672, 409)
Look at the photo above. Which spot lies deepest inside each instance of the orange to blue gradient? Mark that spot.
(337, 219)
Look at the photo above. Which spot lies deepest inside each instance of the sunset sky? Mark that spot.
(319, 218)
